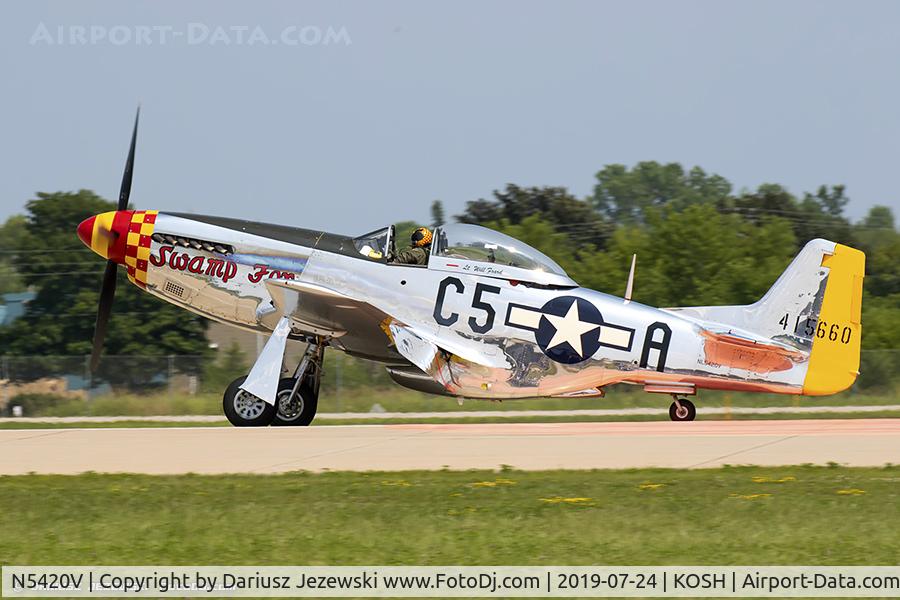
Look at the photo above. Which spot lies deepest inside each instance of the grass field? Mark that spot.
(746, 515)
(396, 399)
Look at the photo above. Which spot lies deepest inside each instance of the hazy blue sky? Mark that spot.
(412, 101)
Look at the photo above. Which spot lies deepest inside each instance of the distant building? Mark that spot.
(223, 336)
(13, 306)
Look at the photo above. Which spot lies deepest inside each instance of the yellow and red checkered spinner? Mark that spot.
(123, 237)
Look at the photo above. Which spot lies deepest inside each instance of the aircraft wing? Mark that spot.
(447, 360)
(419, 345)
(319, 310)
(324, 311)
(312, 307)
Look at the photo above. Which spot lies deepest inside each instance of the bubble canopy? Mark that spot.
(496, 251)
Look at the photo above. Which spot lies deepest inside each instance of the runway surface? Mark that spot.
(492, 414)
(852, 442)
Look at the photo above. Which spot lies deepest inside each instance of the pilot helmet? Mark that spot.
(421, 237)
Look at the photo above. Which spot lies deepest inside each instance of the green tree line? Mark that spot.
(47, 257)
(698, 241)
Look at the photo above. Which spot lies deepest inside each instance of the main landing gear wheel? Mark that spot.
(243, 409)
(682, 409)
(296, 409)
(298, 396)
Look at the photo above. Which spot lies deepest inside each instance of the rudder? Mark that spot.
(834, 358)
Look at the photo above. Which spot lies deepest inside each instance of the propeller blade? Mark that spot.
(107, 293)
(125, 190)
(108, 289)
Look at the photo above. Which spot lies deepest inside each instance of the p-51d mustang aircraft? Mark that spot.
(488, 316)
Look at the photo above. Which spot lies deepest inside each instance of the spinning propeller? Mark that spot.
(108, 289)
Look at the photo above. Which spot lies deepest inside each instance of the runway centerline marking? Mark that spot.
(35, 434)
(744, 451)
(340, 450)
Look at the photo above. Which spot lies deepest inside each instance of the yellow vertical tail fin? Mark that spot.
(834, 359)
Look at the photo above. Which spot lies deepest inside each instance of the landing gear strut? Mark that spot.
(295, 402)
(682, 409)
(298, 396)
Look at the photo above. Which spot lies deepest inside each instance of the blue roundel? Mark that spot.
(569, 329)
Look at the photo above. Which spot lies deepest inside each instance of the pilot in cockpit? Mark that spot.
(420, 248)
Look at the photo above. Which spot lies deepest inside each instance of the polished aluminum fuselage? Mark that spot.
(493, 329)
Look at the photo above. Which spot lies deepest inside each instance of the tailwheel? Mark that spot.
(682, 409)
(295, 408)
(243, 409)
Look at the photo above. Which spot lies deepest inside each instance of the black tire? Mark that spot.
(301, 410)
(245, 410)
(689, 414)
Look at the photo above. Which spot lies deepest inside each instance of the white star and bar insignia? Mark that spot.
(569, 329)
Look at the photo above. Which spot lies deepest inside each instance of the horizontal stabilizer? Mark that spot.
(814, 307)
